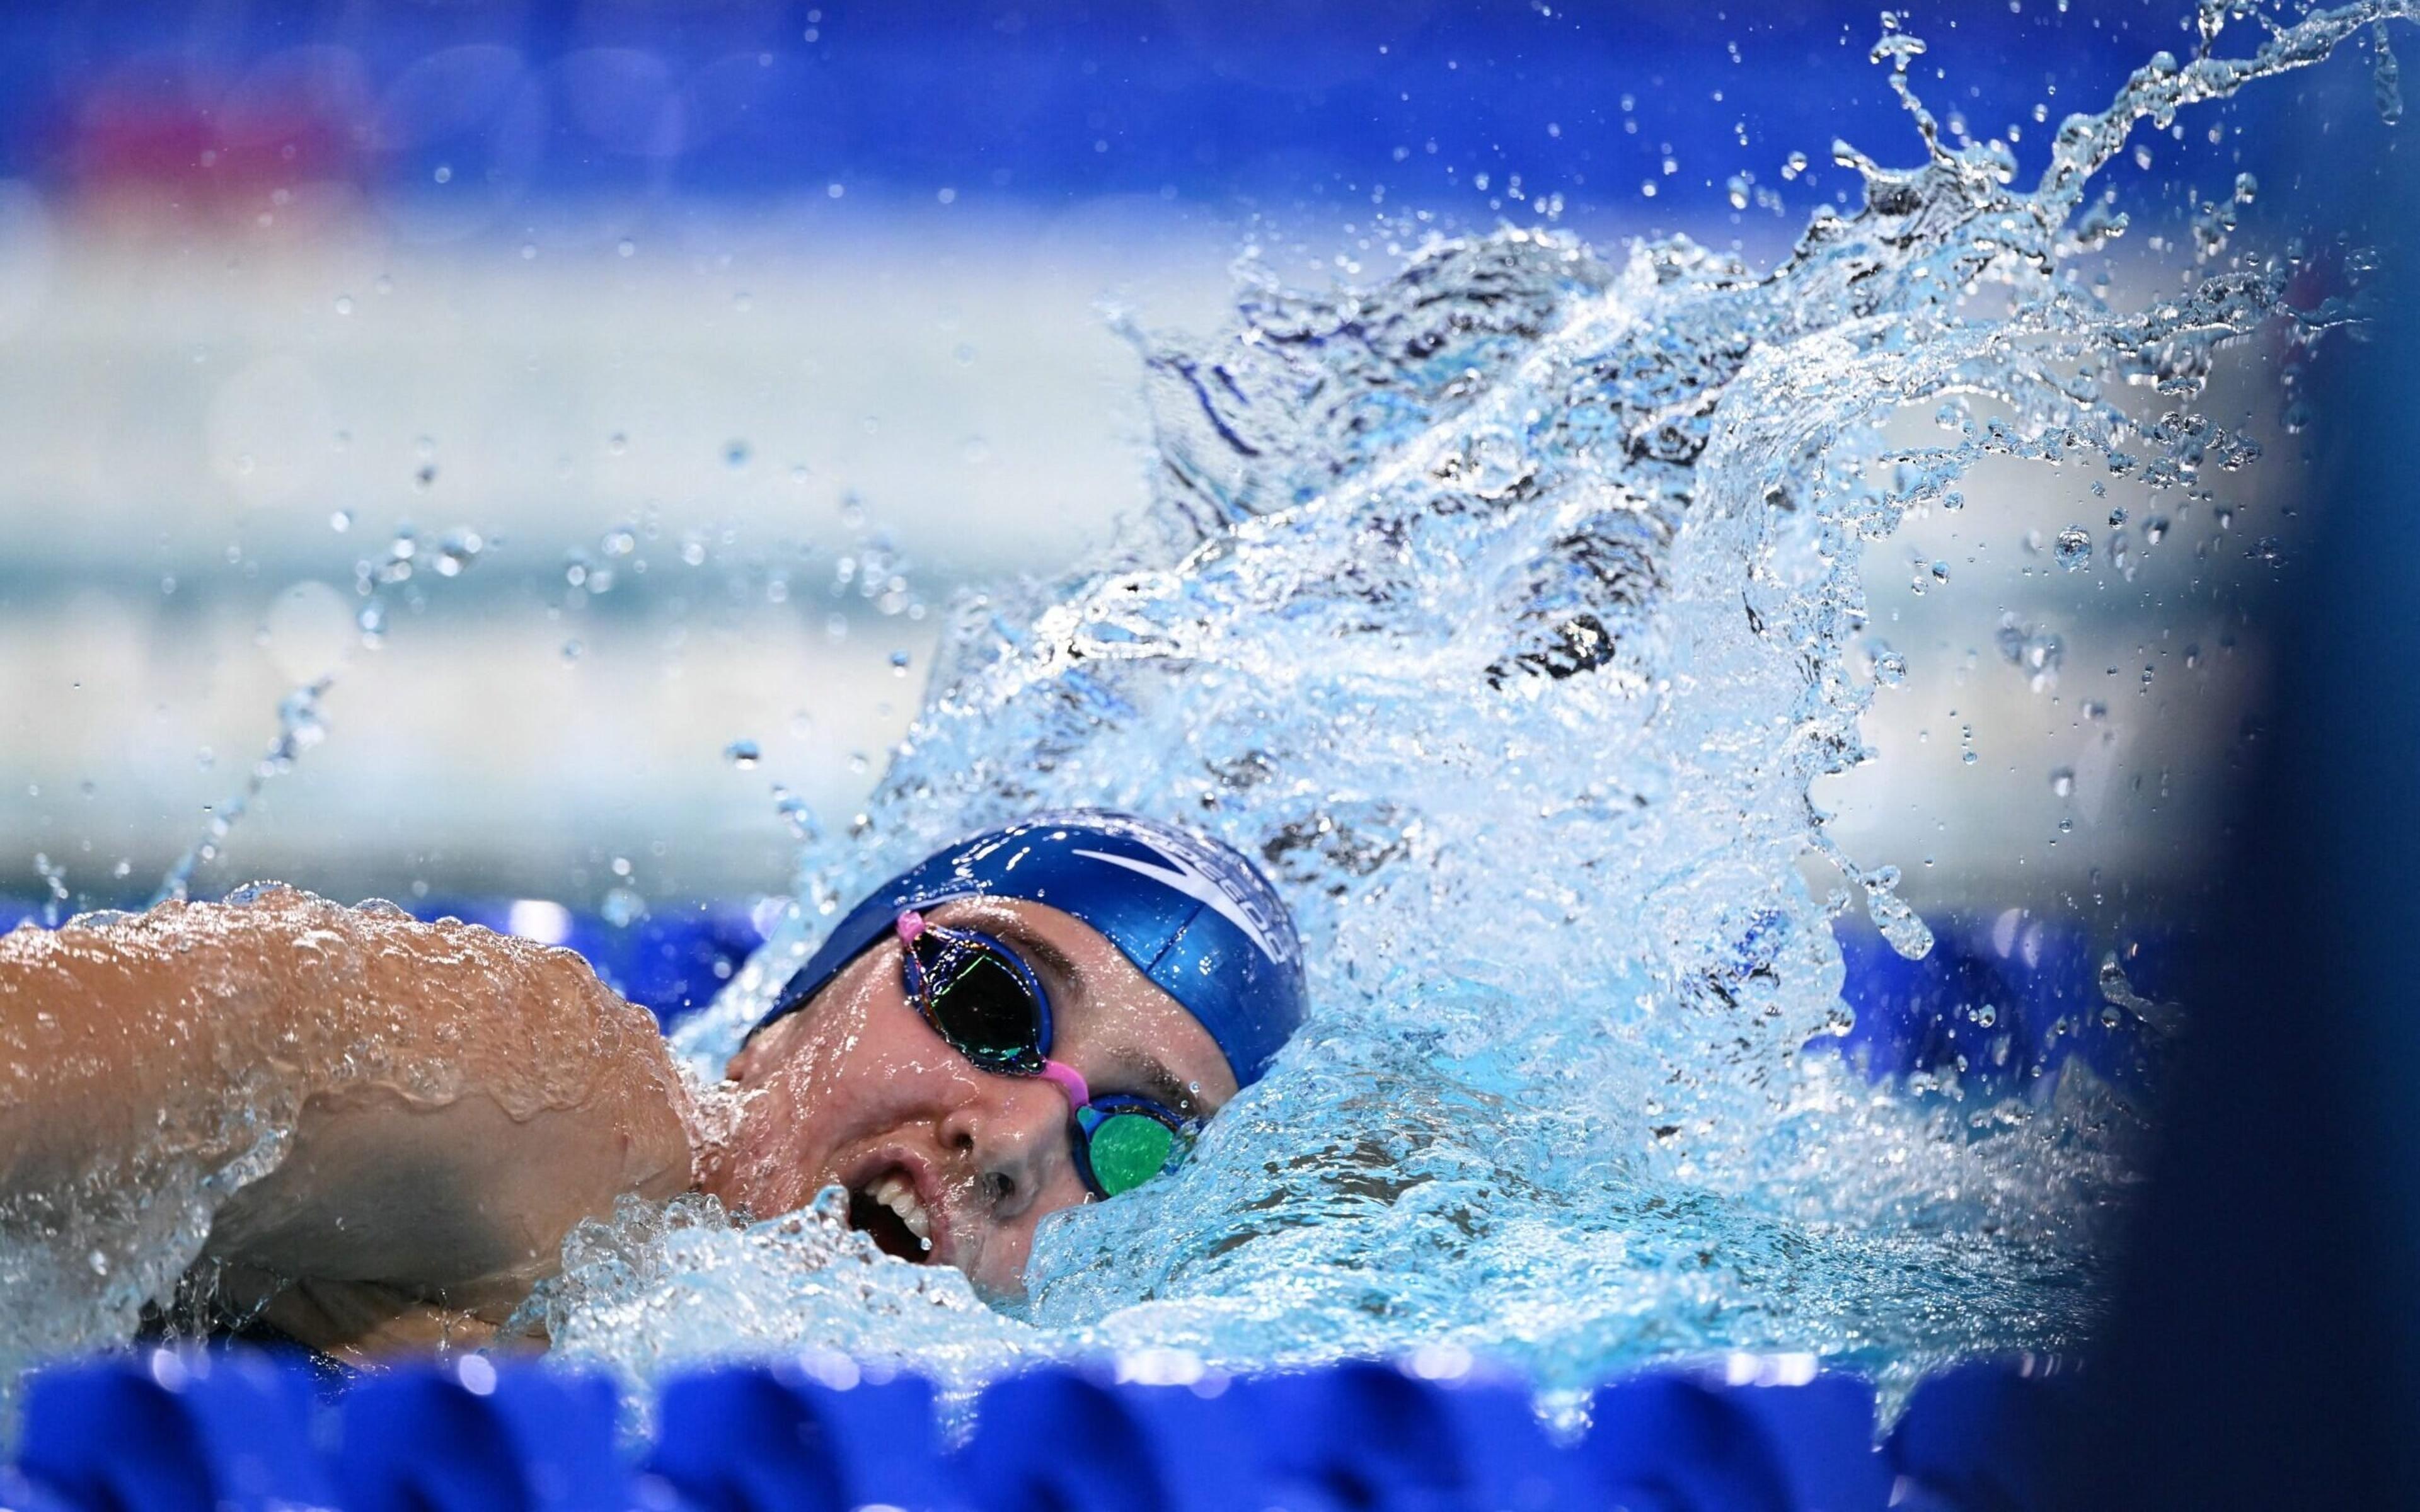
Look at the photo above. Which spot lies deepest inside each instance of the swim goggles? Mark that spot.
(984, 1002)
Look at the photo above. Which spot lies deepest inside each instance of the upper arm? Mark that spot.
(449, 1099)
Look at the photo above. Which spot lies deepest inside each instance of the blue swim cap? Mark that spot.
(1192, 915)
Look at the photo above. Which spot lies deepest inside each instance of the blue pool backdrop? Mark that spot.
(1320, 100)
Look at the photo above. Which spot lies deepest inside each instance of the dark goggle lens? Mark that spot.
(979, 1004)
(1127, 1149)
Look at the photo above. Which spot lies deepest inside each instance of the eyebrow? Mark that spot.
(1055, 961)
(1158, 1082)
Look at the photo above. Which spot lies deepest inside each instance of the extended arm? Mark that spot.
(433, 1105)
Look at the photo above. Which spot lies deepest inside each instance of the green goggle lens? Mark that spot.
(1127, 1149)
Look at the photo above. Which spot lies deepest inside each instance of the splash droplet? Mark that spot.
(2073, 549)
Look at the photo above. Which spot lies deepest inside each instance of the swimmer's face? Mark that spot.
(856, 1091)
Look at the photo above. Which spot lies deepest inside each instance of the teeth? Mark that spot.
(898, 1194)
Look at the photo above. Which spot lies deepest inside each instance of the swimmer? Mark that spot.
(1036, 1017)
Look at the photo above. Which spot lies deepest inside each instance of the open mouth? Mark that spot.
(888, 1210)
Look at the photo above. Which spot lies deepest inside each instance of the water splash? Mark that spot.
(300, 721)
(1507, 609)
(299, 729)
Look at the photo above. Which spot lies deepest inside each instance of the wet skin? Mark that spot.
(458, 1100)
(856, 1089)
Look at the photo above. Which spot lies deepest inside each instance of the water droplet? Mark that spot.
(743, 754)
(341, 521)
(625, 247)
(2062, 780)
(899, 663)
(1899, 925)
(1890, 666)
(2155, 528)
(2073, 549)
(458, 550)
(573, 650)
(444, 174)
(623, 907)
(736, 454)
(795, 813)
(343, 304)
(1987, 1016)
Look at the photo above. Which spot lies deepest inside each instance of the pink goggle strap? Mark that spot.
(1069, 1080)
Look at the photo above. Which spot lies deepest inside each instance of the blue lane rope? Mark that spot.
(231, 1431)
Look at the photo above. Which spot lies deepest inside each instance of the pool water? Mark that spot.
(1506, 609)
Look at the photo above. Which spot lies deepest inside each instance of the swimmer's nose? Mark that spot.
(1015, 1139)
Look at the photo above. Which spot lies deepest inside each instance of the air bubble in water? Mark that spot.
(743, 754)
(623, 907)
(736, 452)
(341, 521)
(2062, 780)
(2073, 549)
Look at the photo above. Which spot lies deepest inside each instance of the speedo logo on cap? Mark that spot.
(1184, 875)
